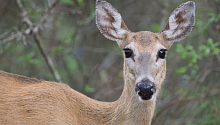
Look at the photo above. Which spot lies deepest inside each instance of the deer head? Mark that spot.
(145, 52)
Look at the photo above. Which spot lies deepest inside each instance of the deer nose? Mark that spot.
(145, 89)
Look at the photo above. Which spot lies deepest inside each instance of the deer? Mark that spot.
(25, 100)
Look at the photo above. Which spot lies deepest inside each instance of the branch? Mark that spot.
(43, 19)
(45, 16)
(24, 14)
(47, 58)
(174, 102)
(33, 31)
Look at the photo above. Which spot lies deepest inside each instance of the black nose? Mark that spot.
(145, 89)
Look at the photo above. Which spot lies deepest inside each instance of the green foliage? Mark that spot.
(49, 75)
(208, 49)
(88, 89)
(204, 25)
(58, 49)
(81, 2)
(29, 58)
(207, 108)
(68, 2)
(66, 35)
(71, 63)
(163, 93)
(181, 70)
(155, 27)
(88, 19)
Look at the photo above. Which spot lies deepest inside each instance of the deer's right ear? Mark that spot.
(110, 22)
(180, 22)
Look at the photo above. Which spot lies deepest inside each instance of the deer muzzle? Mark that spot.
(145, 89)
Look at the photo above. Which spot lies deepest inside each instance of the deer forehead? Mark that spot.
(146, 41)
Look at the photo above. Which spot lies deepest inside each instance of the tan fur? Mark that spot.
(29, 101)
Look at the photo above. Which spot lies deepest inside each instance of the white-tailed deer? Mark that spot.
(26, 100)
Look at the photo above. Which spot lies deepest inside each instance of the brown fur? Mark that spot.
(33, 101)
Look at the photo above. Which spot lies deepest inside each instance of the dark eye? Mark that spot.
(162, 53)
(128, 52)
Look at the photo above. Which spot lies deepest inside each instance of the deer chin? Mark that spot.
(152, 98)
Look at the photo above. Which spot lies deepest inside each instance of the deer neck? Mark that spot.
(129, 109)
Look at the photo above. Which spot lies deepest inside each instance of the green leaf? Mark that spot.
(212, 14)
(58, 49)
(155, 27)
(203, 28)
(181, 70)
(216, 44)
(202, 47)
(180, 48)
(217, 18)
(88, 89)
(216, 51)
(163, 93)
(189, 47)
(49, 75)
(210, 42)
(193, 57)
(35, 61)
(193, 72)
(80, 2)
(195, 66)
(71, 63)
(184, 54)
(204, 105)
(68, 2)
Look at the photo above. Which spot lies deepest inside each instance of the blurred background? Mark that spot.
(58, 40)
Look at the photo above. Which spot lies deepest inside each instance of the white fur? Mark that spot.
(173, 32)
(119, 32)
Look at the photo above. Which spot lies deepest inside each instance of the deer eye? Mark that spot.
(162, 53)
(128, 52)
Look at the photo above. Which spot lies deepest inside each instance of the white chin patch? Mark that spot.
(152, 98)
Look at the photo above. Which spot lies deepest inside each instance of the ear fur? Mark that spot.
(110, 22)
(180, 22)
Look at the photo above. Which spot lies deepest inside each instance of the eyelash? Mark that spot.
(162, 53)
(128, 52)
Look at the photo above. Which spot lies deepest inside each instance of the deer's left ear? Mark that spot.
(180, 22)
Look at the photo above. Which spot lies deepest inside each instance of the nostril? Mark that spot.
(153, 89)
(137, 90)
(145, 89)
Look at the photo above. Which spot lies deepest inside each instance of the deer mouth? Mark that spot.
(145, 89)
